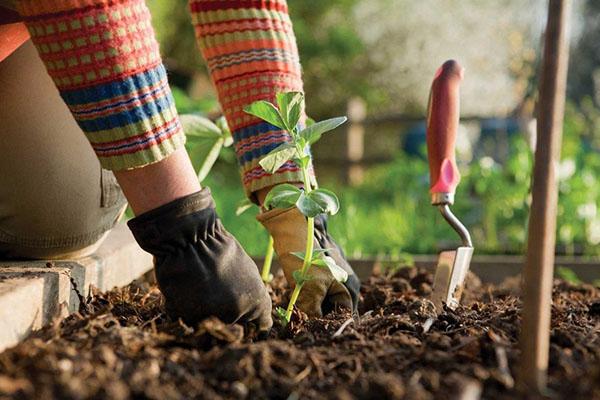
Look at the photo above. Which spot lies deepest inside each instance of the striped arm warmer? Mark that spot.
(250, 49)
(104, 59)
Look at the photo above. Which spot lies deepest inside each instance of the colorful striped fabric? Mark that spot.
(250, 49)
(105, 61)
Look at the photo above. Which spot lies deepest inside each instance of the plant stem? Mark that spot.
(308, 253)
(310, 239)
(266, 269)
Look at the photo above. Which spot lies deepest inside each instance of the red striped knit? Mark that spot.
(250, 49)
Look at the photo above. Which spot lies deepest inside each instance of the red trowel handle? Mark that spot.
(442, 124)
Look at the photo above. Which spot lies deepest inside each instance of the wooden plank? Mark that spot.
(539, 264)
(355, 141)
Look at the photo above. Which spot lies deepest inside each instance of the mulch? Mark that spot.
(121, 345)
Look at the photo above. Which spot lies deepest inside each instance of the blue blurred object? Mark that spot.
(414, 143)
(494, 136)
(493, 126)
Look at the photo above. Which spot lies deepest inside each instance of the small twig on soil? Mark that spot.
(303, 374)
(471, 390)
(357, 371)
(151, 321)
(341, 329)
(463, 344)
(427, 324)
(507, 378)
(317, 365)
(365, 315)
(188, 330)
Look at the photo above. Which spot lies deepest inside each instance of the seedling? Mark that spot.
(308, 200)
(205, 140)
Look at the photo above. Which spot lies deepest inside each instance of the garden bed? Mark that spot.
(121, 345)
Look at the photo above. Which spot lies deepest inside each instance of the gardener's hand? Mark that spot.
(201, 269)
(322, 293)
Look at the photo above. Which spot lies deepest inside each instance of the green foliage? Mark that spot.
(390, 213)
(283, 196)
(175, 33)
(309, 202)
(319, 201)
(290, 106)
(339, 274)
(266, 111)
(334, 61)
(243, 206)
(205, 140)
(313, 132)
(276, 158)
(568, 275)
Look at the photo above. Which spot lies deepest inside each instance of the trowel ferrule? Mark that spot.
(438, 199)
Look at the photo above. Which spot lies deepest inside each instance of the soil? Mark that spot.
(121, 345)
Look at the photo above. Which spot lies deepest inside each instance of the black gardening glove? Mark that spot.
(201, 269)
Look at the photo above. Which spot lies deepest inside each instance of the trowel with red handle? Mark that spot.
(442, 126)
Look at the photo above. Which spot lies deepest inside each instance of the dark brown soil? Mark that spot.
(121, 346)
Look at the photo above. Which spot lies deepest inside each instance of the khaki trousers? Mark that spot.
(55, 200)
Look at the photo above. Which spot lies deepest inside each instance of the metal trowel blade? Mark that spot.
(450, 275)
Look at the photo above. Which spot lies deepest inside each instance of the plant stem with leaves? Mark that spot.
(266, 268)
(310, 202)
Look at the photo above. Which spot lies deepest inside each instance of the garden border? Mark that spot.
(489, 268)
(34, 293)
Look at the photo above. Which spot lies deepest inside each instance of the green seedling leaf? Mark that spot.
(276, 158)
(267, 112)
(204, 155)
(221, 122)
(326, 199)
(302, 162)
(308, 207)
(339, 274)
(299, 278)
(281, 315)
(316, 254)
(206, 141)
(243, 206)
(319, 253)
(196, 127)
(290, 107)
(313, 132)
(309, 121)
(568, 275)
(283, 196)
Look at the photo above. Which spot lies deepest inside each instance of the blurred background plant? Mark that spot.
(385, 52)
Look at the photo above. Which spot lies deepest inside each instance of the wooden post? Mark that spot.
(539, 264)
(355, 140)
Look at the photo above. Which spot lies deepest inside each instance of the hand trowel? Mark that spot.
(442, 126)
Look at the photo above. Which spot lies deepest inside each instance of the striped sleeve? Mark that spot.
(250, 49)
(105, 62)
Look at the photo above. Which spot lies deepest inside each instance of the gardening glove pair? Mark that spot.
(201, 269)
(322, 293)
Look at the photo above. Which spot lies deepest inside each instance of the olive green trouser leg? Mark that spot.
(55, 200)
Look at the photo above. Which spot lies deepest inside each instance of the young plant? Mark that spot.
(205, 140)
(310, 201)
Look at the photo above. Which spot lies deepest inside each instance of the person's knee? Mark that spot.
(53, 193)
